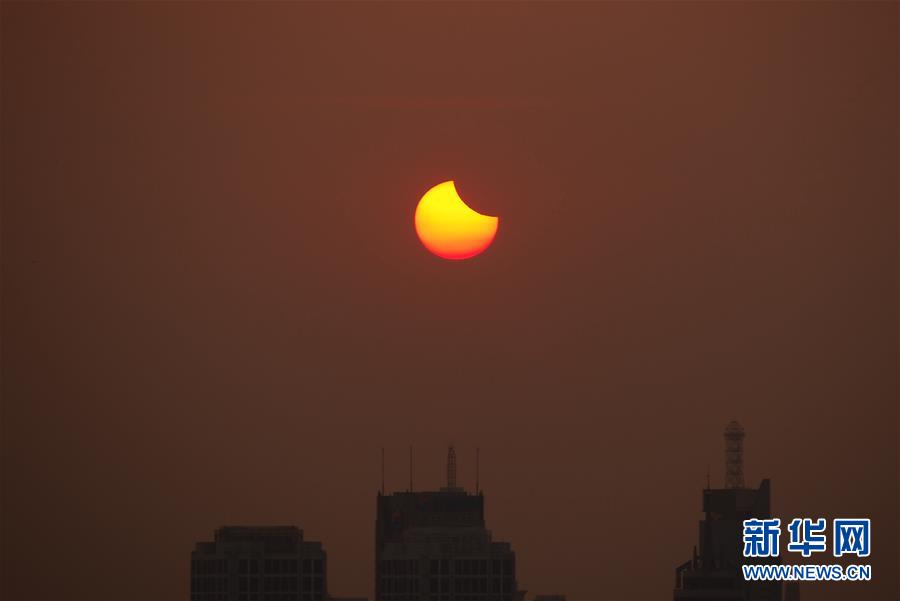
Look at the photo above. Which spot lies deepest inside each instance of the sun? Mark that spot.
(449, 228)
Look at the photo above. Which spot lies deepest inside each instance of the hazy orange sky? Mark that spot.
(215, 308)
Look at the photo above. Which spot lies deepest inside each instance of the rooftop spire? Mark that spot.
(477, 472)
(451, 467)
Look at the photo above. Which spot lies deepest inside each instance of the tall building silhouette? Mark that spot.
(434, 546)
(258, 563)
(714, 571)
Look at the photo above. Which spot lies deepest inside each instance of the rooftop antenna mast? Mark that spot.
(382, 470)
(734, 455)
(451, 468)
(410, 468)
(477, 471)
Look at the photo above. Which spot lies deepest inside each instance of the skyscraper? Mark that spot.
(258, 563)
(715, 571)
(434, 546)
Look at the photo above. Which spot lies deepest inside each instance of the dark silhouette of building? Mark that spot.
(433, 546)
(714, 572)
(258, 563)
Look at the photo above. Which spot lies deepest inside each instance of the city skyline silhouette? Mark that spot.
(435, 546)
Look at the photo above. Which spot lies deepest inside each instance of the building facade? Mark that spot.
(434, 546)
(258, 563)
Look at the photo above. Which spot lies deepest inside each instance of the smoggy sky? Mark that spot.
(216, 311)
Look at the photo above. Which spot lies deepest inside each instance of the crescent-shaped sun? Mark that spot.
(449, 228)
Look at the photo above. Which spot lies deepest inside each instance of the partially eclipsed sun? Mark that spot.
(449, 228)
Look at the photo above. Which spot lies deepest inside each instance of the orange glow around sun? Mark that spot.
(449, 228)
